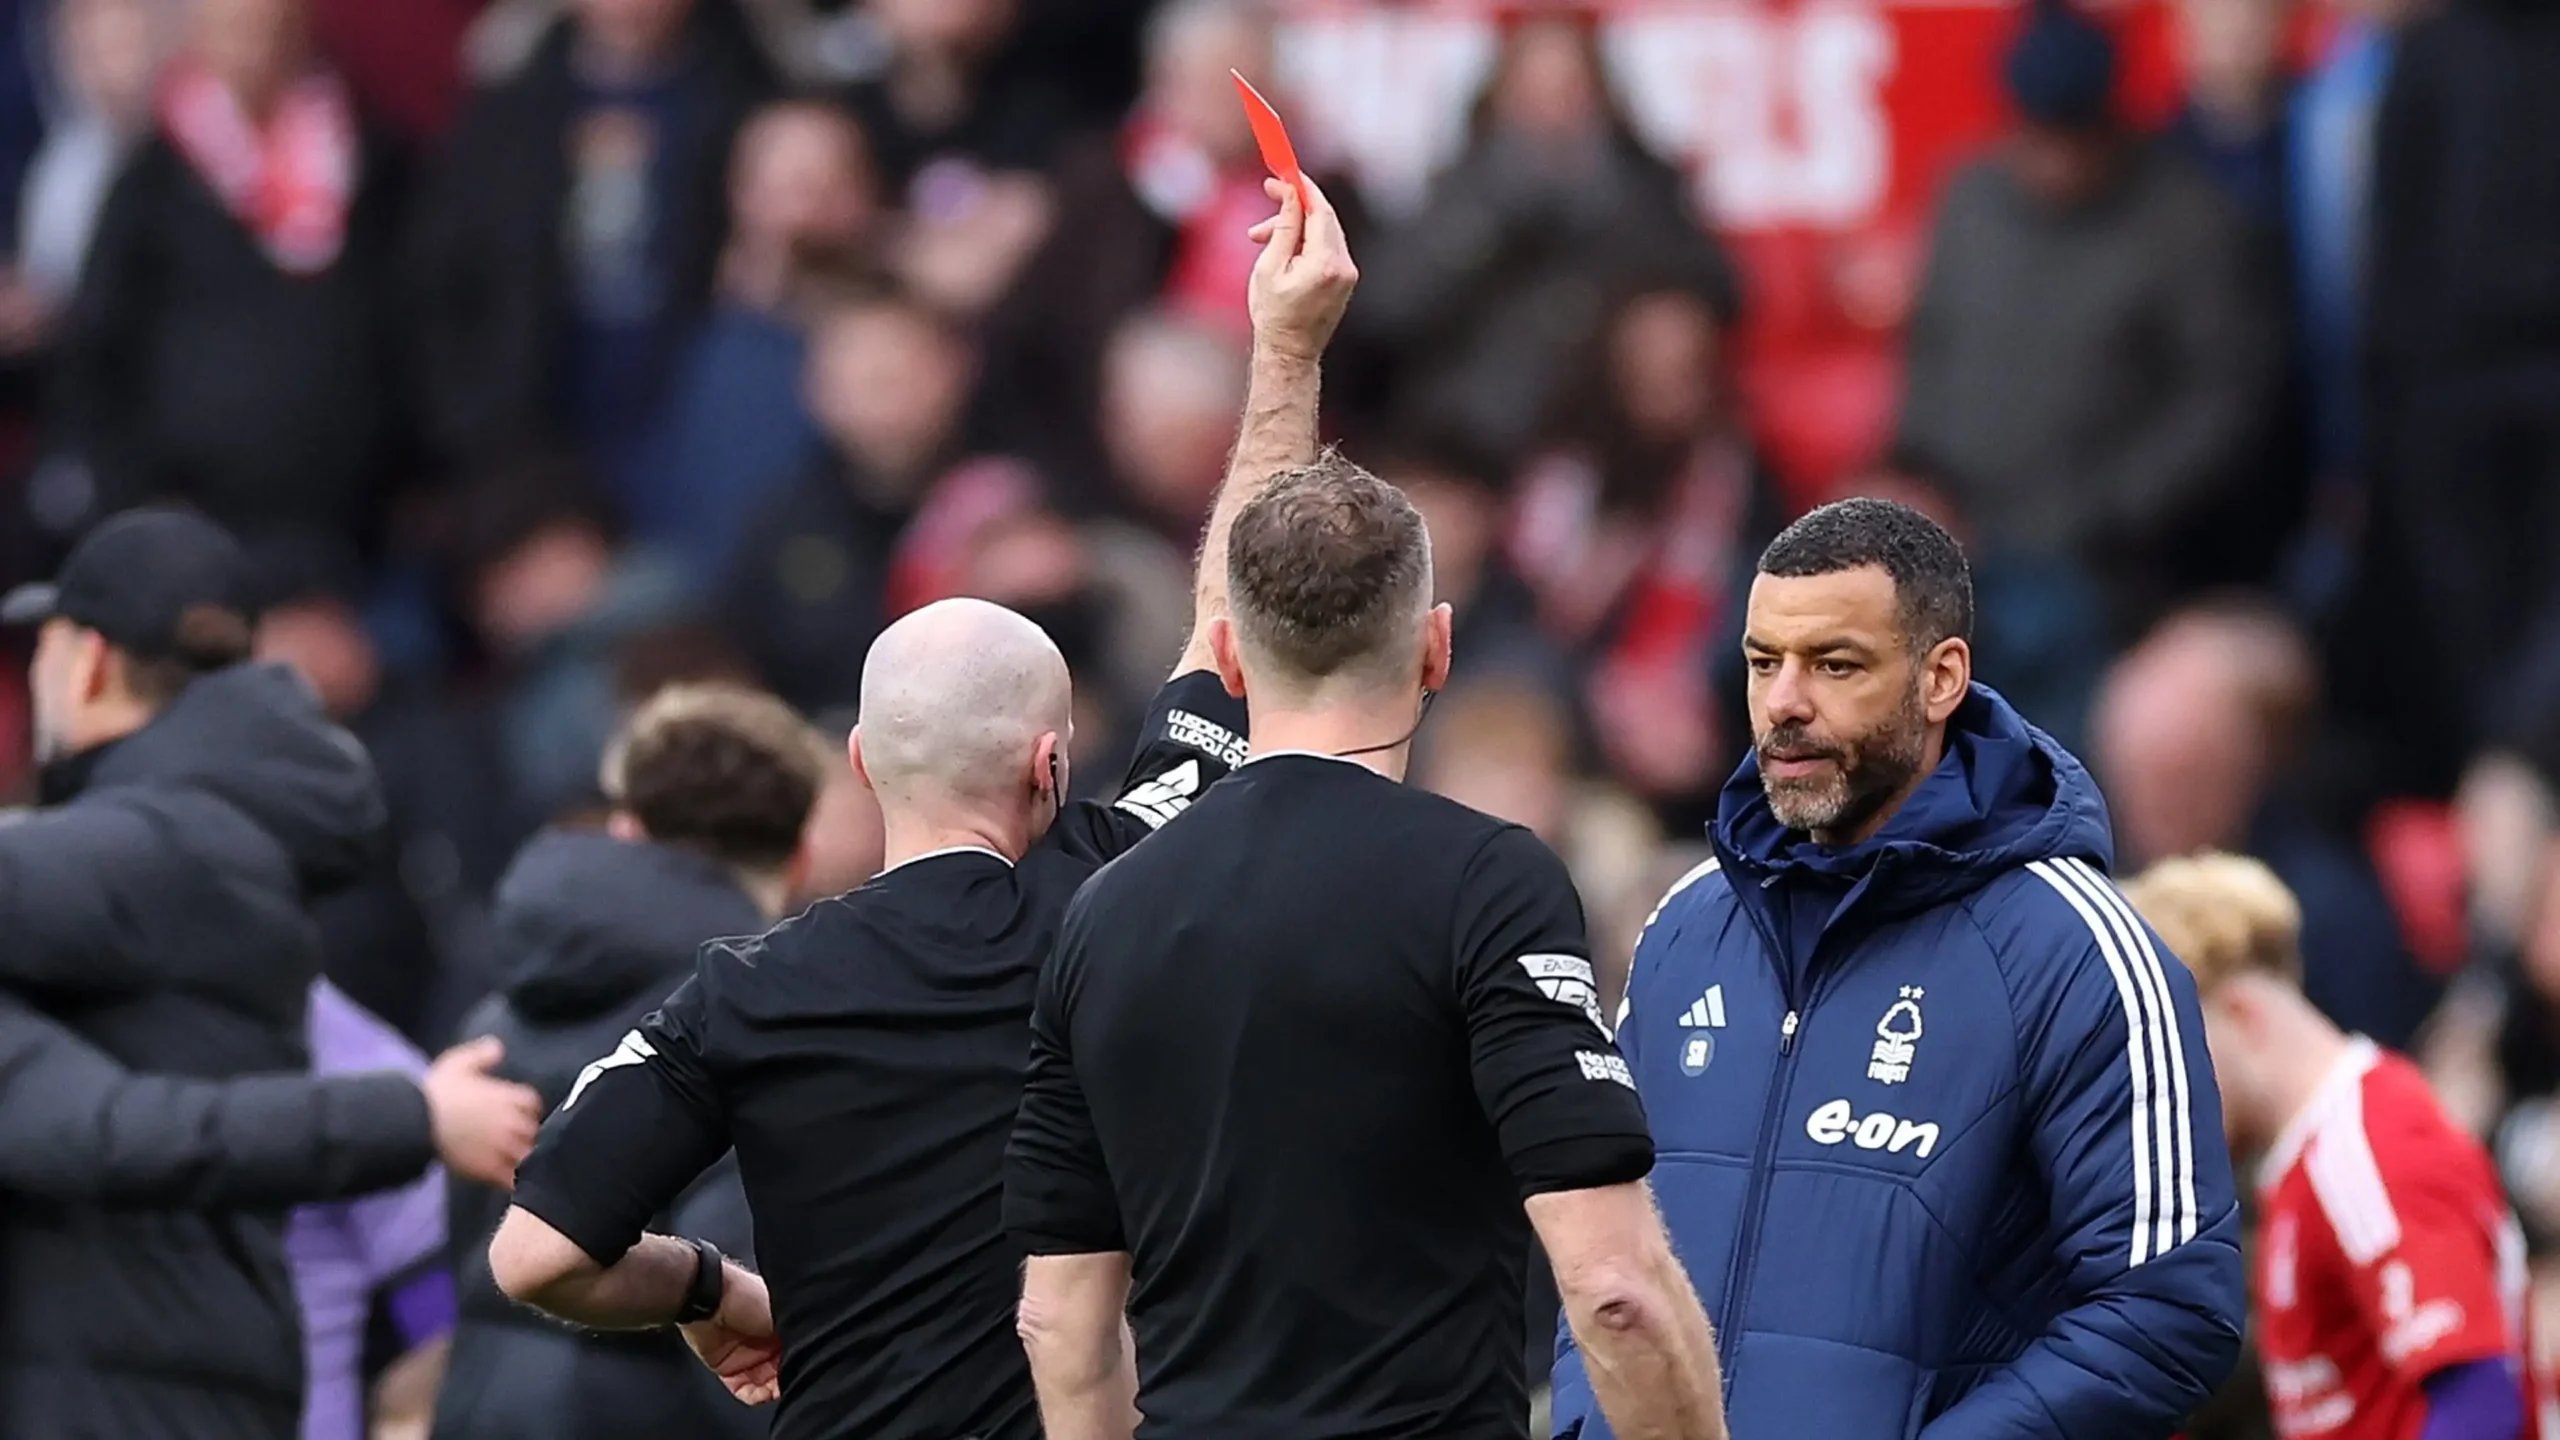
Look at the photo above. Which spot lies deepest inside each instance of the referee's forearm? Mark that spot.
(644, 1289)
(1083, 1360)
(1651, 1355)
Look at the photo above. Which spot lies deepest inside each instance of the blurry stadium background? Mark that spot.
(659, 339)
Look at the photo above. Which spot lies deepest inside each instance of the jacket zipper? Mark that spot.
(1764, 1160)
(1746, 1248)
(1746, 1240)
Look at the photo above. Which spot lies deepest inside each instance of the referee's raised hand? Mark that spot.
(1303, 281)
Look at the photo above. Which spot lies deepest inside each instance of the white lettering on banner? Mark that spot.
(1597, 1066)
(1779, 111)
(1837, 1122)
(630, 1050)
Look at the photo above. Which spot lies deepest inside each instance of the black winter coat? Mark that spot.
(593, 933)
(194, 369)
(159, 910)
(76, 1128)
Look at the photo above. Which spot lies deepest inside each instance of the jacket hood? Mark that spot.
(2004, 794)
(587, 923)
(256, 737)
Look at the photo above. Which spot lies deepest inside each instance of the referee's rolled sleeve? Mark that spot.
(1560, 1097)
(1582, 1162)
(640, 1125)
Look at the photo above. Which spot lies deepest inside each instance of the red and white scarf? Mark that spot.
(290, 183)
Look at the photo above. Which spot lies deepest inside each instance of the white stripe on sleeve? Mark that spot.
(2168, 1078)
(1697, 872)
(2137, 1037)
(2183, 1098)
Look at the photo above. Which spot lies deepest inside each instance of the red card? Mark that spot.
(1273, 138)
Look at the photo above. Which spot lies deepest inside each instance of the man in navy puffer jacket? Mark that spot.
(1938, 1136)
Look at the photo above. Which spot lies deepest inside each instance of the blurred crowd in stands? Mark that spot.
(545, 353)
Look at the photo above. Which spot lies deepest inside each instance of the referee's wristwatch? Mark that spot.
(710, 1283)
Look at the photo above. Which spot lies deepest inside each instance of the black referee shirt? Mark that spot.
(866, 1059)
(1302, 1060)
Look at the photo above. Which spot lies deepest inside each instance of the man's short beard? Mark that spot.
(1868, 772)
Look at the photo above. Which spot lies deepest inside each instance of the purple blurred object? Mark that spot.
(345, 1255)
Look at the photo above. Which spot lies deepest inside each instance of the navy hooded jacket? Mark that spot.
(1939, 1140)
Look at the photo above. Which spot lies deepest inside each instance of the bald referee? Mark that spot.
(866, 1058)
(1298, 1064)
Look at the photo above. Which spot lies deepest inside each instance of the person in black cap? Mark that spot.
(192, 805)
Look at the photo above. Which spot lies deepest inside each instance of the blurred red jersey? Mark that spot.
(2386, 1253)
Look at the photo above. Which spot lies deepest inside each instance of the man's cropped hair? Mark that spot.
(722, 770)
(1328, 571)
(1932, 585)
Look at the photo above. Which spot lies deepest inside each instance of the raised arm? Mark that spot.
(1301, 286)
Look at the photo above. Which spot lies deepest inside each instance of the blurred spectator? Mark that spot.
(2087, 363)
(1171, 391)
(813, 579)
(2497, 1056)
(963, 157)
(845, 841)
(379, 1254)
(711, 790)
(233, 340)
(1161, 208)
(2464, 409)
(107, 54)
(1505, 748)
(2235, 124)
(1495, 619)
(1086, 50)
(2332, 132)
(1638, 534)
(571, 242)
(403, 60)
(2237, 130)
(804, 213)
(23, 76)
(406, 941)
(2207, 737)
(556, 601)
(1492, 291)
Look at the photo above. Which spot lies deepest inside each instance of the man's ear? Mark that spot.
(853, 752)
(1222, 648)
(1048, 767)
(1437, 629)
(1948, 678)
(94, 666)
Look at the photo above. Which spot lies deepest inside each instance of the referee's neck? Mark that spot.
(1337, 733)
(906, 838)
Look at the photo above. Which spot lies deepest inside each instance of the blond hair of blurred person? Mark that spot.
(2389, 1279)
